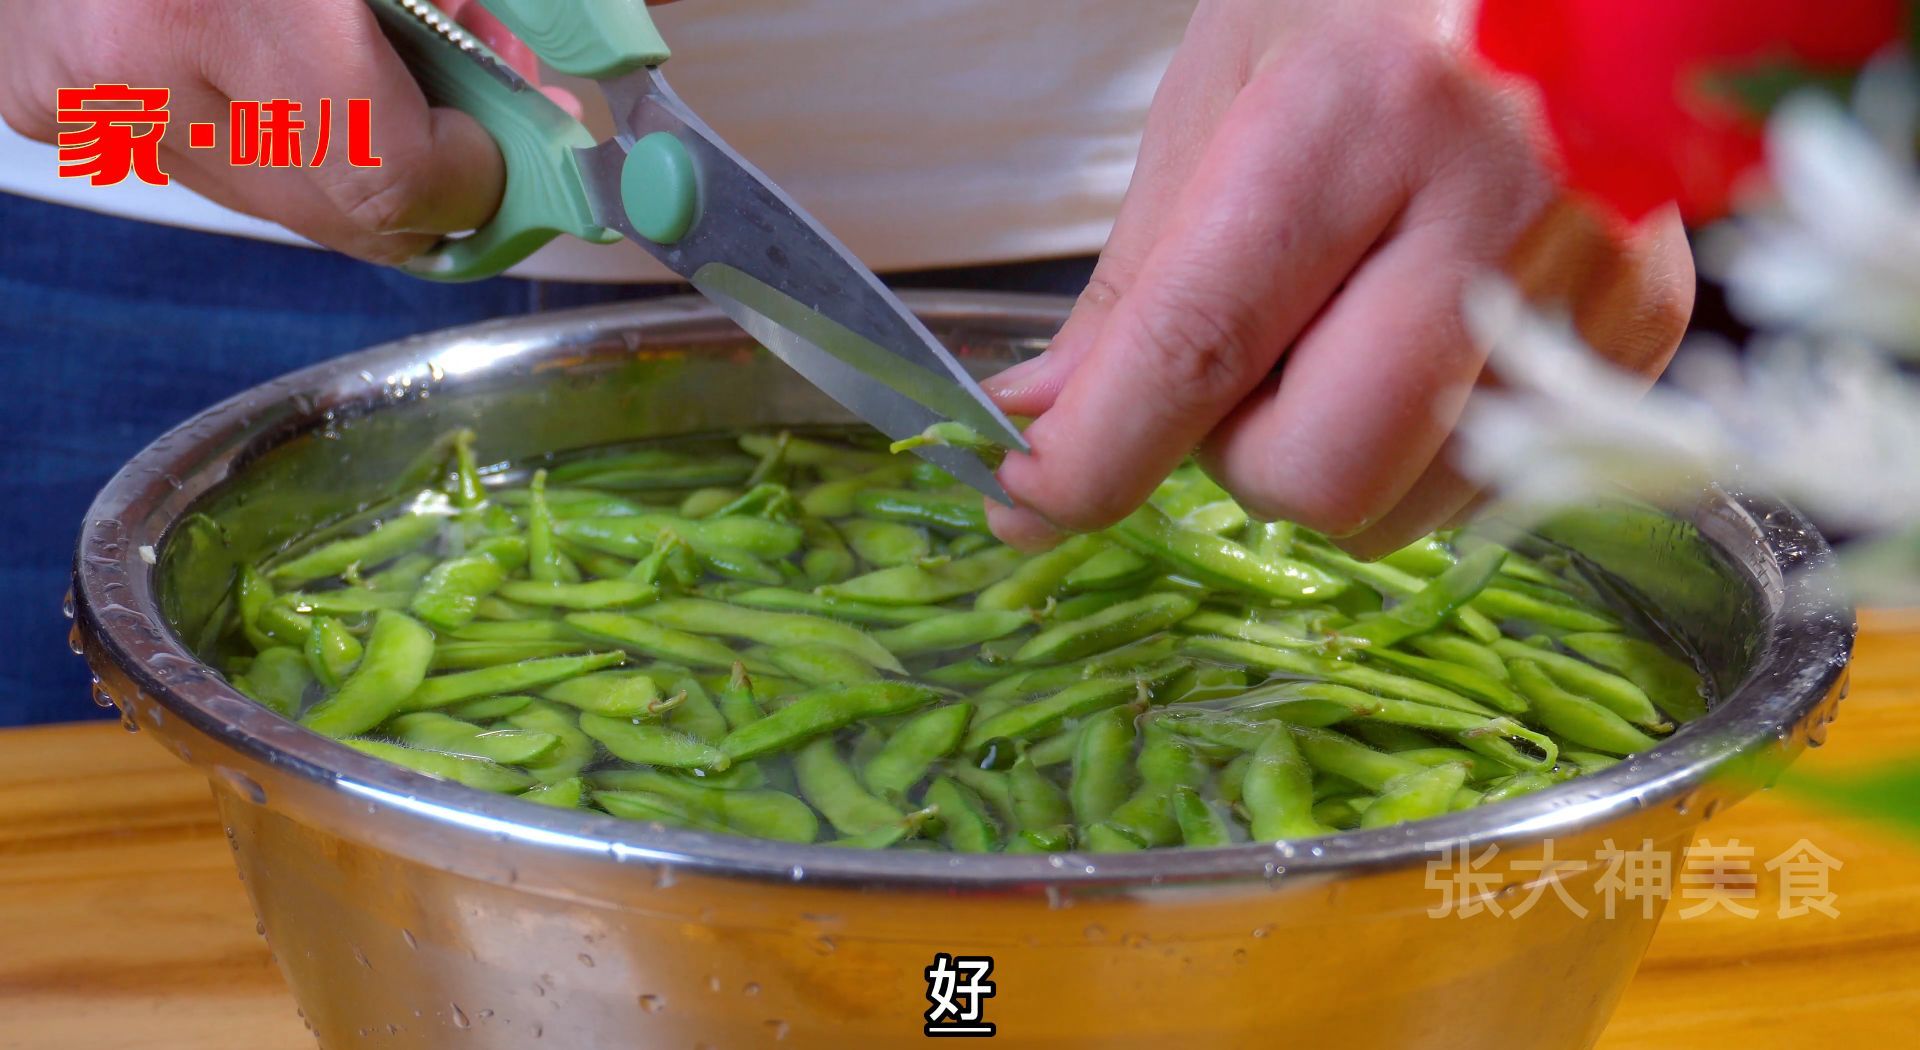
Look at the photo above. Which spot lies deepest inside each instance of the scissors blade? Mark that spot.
(792, 286)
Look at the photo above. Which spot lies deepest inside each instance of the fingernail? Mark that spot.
(1019, 378)
(1021, 528)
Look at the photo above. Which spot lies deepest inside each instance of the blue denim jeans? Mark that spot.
(113, 331)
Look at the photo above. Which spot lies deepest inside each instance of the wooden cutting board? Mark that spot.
(123, 924)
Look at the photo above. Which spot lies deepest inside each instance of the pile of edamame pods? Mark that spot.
(802, 638)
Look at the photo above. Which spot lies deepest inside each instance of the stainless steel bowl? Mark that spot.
(408, 912)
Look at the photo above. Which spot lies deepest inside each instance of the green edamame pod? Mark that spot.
(616, 694)
(701, 616)
(1166, 761)
(968, 826)
(1427, 608)
(1468, 681)
(1102, 775)
(779, 599)
(545, 563)
(1611, 691)
(402, 574)
(822, 665)
(913, 749)
(388, 540)
(347, 601)
(445, 689)
(828, 559)
(822, 711)
(1388, 736)
(593, 594)
(696, 714)
(264, 620)
(1113, 626)
(990, 784)
(652, 744)
(1108, 838)
(830, 786)
(449, 595)
(468, 656)
(1250, 629)
(652, 469)
(487, 708)
(1415, 796)
(929, 584)
(1672, 685)
(1464, 651)
(765, 813)
(1030, 585)
(332, 651)
(1201, 825)
(1040, 717)
(434, 731)
(1055, 749)
(1393, 582)
(570, 793)
(956, 630)
(1341, 812)
(893, 834)
(398, 652)
(949, 434)
(279, 679)
(1038, 804)
(657, 809)
(834, 499)
(1108, 568)
(737, 703)
(461, 769)
(1307, 665)
(633, 535)
(886, 543)
(1515, 785)
(1278, 790)
(1505, 603)
(568, 757)
(1221, 562)
(651, 639)
(957, 512)
(1576, 718)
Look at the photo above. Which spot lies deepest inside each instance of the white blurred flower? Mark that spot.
(1821, 415)
(1835, 251)
(1835, 428)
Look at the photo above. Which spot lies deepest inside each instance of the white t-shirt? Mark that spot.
(923, 133)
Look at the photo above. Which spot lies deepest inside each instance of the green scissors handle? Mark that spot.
(544, 195)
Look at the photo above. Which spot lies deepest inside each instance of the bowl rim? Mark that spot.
(1799, 665)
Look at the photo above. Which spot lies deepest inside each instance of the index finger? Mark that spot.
(1257, 241)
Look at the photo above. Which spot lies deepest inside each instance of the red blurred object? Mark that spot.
(1623, 83)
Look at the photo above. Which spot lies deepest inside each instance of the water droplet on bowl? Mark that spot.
(779, 1029)
(751, 988)
(412, 942)
(459, 1016)
(586, 960)
(652, 1004)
